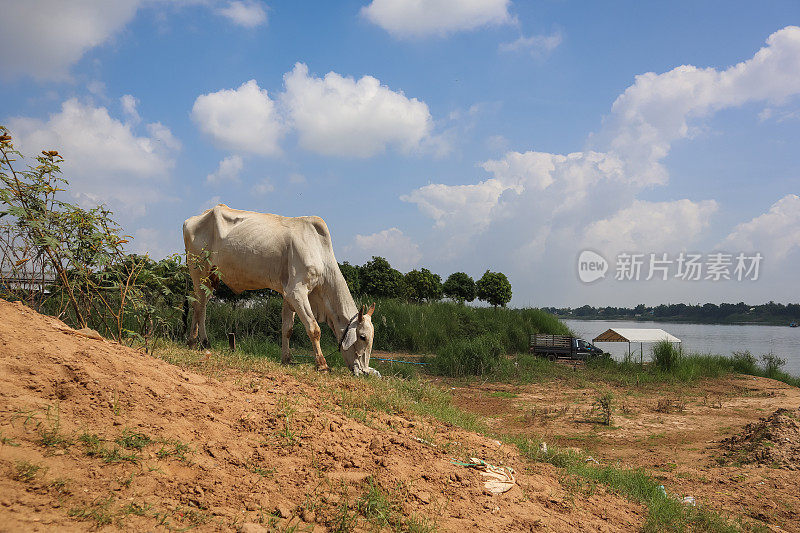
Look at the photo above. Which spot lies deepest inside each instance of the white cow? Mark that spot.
(292, 256)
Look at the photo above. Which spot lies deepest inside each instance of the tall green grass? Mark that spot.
(399, 326)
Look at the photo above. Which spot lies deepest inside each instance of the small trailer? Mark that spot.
(562, 347)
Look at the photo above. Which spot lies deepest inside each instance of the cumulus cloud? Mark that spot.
(467, 207)
(227, 171)
(539, 208)
(105, 158)
(246, 13)
(775, 233)
(397, 248)
(419, 18)
(44, 38)
(536, 45)
(240, 120)
(338, 115)
(651, 226)
(657, 109)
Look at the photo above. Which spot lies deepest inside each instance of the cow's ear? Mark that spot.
(361, 314)
(371, 309)
(349, 339)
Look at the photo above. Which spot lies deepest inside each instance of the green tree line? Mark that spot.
(771, 312)
(378, 279)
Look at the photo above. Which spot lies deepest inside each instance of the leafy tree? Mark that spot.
(423, 285)
(494, 288)
(351, 276)
(460, 287)
(379, 279)
(80, 251)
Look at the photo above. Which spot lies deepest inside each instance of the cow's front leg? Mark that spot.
(287, 324)
(299, 301)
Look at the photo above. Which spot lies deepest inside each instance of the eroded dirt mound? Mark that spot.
(97, 435)
(772, 441)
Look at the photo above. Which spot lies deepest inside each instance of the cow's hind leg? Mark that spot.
(287, 319)
(298, 298)
(197, 329)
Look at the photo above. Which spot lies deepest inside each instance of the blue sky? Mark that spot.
(456, 135)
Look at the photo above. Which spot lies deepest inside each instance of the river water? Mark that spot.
(782, 341)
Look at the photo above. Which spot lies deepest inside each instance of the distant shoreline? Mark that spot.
(675, 320)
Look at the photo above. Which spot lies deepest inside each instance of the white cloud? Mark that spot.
(401, 252)
(656, 110)
(129, 103)
(104, 158)
(542, 187)
(340, 116)
(419, 18)
(263, 187)
(465, 207)
(538, 209)
(247, 13)
(227, 171)
(775, 233)
(536, 45)
(651, 226)
(44, 38)
(240, 120)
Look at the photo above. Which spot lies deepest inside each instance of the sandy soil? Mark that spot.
(250, 452)
(674, 431)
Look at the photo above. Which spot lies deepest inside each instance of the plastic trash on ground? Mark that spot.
(497, 479)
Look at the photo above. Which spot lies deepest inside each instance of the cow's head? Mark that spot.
(357, 342)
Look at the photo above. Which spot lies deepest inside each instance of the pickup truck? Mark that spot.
(562, 347)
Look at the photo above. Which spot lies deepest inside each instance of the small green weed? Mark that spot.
(134, 508)
(27, 471)
(132, 440)
(503, 394)
(97, 512)
(174, 448)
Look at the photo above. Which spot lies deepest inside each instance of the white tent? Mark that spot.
(641, 336)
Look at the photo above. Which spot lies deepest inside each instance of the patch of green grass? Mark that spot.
(97, 512)
(174, 448)
(26, 471)
(375, 505)
(136, 509)
(119, 455)
(132, 440)
(503, 394)
(50, 430)
(664, 513)
(94, 446)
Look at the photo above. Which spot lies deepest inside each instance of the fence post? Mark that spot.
(232, 341)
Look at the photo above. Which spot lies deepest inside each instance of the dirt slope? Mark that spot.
(97, 435)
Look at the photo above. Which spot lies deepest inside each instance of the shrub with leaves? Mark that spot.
(57, 256)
